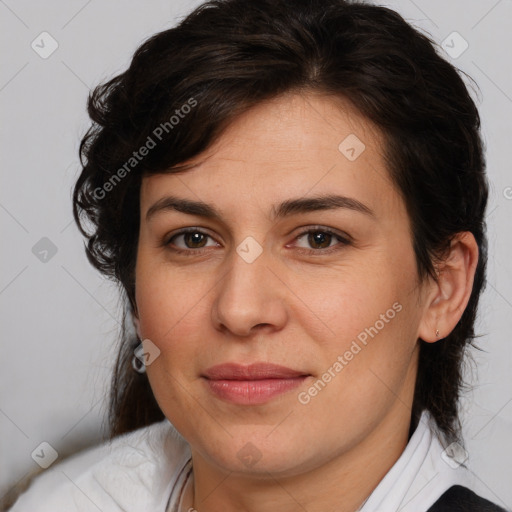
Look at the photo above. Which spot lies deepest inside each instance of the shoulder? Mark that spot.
(128, 473)
(461, 499)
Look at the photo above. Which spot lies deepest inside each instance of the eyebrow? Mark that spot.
(281, 210)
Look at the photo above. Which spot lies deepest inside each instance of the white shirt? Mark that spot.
(149, 469)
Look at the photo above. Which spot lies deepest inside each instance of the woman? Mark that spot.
(291, 195)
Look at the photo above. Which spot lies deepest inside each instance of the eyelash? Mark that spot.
(315, 229)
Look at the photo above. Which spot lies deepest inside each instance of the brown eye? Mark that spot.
(195, 239)
(192, 241)
(319, 237)
(320, 240)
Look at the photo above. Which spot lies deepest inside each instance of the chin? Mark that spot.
(258, 455)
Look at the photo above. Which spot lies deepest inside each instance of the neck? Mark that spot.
(342, 484)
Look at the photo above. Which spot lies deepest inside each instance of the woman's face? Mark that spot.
(340, 312)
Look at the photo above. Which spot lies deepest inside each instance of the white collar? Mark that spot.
(146, 470)
(423, 472)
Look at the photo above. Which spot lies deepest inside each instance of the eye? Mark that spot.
(193, 238)
(320, 239)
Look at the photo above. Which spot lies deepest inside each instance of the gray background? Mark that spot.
(60, 319)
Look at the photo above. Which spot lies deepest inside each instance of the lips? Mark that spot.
(255, 371)
(256, 383)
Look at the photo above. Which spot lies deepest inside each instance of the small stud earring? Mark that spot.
(437, 333)
(138, 359)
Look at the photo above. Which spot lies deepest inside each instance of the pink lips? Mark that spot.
(254, 384)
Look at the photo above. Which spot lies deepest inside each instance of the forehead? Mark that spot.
(291, 146)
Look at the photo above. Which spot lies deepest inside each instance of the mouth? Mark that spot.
(252, 384)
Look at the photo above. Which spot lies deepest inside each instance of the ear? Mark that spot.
(136, 323)
(447, 299)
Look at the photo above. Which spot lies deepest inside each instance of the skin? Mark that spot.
(290, 308)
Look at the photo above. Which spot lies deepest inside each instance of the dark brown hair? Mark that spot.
(229, 55)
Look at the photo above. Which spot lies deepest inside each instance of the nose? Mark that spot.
(251, 297)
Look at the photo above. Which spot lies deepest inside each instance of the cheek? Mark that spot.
(365, 370)
(366, 336)
(169, 310)
(166, 299)
(349, 300)
(174, 312)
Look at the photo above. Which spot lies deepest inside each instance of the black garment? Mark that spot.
(461, 499)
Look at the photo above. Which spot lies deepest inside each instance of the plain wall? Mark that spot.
(60, 318)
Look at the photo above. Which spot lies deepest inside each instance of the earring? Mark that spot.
(138, 359)
(437, 333)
